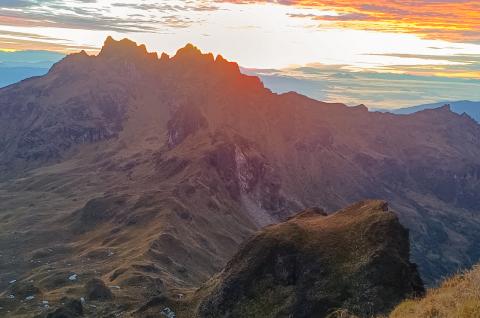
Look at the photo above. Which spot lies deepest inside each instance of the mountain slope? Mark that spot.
(457, 297)
(356, 259)
(148, 172)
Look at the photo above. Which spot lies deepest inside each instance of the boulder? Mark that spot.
(96, 290)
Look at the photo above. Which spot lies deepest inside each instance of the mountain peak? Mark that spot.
(70, 62)
(123, 48)
(193, 53)
(446, 107)
(189, 47)
(231, 67)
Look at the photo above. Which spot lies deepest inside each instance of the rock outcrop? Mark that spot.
(96, 290)
(356, 259)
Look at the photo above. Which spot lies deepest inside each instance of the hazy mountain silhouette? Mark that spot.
(470, 108)
(19, 65)
(149, 172)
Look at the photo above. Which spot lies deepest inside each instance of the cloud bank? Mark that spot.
(450, 20)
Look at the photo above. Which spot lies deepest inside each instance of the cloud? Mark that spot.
(18, 41)
(98, 15)
(337, 83)
(428, 79)
(229, 27)
(466, 66)
(451, 20)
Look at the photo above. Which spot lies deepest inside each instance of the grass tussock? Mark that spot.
(457, 297)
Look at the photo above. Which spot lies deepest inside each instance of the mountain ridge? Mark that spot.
(469, 108)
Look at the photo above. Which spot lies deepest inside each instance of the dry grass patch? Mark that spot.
(457, 297)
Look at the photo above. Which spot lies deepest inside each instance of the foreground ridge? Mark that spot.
(457, 297)
(356, 259)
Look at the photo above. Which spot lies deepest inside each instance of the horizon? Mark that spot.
(323, 83)
(346, 51)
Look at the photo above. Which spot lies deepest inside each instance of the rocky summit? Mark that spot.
(148, 172)
(355, 260)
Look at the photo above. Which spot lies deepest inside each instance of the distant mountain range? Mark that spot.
(470, 108)
(149, 172)
(377, 90)
(19, 65)
(10, 75)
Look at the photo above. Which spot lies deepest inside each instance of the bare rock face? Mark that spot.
(250, 180)
(356, 259)
(184, 122)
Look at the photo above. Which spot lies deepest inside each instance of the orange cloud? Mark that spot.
(450, 20)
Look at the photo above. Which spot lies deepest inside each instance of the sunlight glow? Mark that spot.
(259, 34)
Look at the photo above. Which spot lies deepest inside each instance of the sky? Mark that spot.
(419, 46)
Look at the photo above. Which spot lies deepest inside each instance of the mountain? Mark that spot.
(149, 172)
(356, 259)
(10, 75)
(19, 65)
(457, 296)
(472, 109)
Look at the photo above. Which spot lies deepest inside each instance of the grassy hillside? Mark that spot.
(312, 264)
(457, 297)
